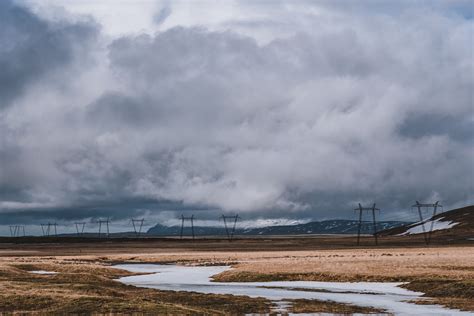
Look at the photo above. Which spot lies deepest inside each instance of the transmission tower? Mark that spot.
(434, 206)
(137, 226)
(231, 218)
(106, 222)
(47, 229)
(15, 230)
(372, 209)
(80, 228)
(188, 218)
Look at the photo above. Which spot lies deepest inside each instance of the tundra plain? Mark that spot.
(86, 282)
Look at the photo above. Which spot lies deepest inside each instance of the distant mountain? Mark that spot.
(324, 227)
(454, 223)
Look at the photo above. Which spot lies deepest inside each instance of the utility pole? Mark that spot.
(234, 218)
(106, 222)
(372, 209)
(46, 229)
(80, 228)
(434, 206)
(12, 230)
(188, 218)
(137, 228)
(16, 229)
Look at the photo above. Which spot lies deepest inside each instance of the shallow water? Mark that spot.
(43, 272)
(198, 279)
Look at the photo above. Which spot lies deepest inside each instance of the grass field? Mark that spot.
(86, 283)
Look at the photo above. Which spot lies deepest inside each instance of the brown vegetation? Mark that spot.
(451, 293)
(86, 284)
(315, 306)
(90, 288)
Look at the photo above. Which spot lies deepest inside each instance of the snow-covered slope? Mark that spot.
(457, 224)
(430, 225)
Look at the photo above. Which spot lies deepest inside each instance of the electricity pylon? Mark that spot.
(419, 206)
(187, 218)
(369, 209)
(232, 218)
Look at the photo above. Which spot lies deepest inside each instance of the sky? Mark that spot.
(280, 111)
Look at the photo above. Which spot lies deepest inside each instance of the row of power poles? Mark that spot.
(230, 223)
(50, 229)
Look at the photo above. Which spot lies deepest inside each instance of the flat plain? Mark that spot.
(86, 282)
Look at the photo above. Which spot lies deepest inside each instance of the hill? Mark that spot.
(457, 223)
(322, 227)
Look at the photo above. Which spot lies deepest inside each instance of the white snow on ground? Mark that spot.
(382, 295)
(43, 272)
(438, 224)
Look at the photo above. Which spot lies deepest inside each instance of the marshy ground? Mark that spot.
(86, 282)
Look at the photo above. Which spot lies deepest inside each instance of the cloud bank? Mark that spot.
(300, 113)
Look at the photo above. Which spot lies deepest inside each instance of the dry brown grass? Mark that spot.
(451, 293)
(89, 288)
(395, 264)
(86, 283)
(315, 306)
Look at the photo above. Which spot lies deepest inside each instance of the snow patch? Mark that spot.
(438, 224)
(387, 295)
(43, 272)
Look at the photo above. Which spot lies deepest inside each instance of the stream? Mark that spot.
(383, 295)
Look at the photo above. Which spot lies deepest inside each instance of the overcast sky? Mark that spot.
(273, 109)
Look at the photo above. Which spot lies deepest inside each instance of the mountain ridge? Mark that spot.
(337, 226)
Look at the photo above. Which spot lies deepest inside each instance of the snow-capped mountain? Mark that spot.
(322, 227)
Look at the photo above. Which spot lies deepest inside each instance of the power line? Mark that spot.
(15, 230)
(106, 222)
(47, 229)
(188, 218)
(434, 206)
(230, 234)
(361, 210)
(137, 228)
(80, 228)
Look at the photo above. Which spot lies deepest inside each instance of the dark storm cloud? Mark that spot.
(31, 47)
(350, 106)
(457, 129)
(114, 210)
(119, 110)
